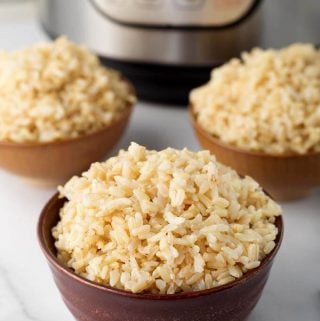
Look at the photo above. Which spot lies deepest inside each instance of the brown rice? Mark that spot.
(55, 91)
(164, 222)
(268, 101)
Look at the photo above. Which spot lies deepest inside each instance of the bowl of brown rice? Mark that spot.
(261, 115)
(60, 110)
(168, 235)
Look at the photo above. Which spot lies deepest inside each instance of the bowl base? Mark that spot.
(286, 195)
(39, 183)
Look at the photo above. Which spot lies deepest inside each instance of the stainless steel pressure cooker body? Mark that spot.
(166, 47)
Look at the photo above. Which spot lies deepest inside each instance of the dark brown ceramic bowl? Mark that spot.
(285, 177)
(90, 301)
(54, 162)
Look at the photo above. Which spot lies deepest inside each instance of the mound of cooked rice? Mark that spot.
(55, 91)
(268, 101)
(164, 222)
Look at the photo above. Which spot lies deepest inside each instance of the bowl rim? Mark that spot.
(121, 117)
(233, 148)
(52, 259)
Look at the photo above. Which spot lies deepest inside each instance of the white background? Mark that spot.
(27, 291)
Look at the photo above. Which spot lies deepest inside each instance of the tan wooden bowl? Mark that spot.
(55, 162)
(285, 177)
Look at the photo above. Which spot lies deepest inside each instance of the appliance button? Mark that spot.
(104, 3)
(149, 3)
(189, 3)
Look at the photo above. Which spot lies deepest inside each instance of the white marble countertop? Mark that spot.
(27, 290)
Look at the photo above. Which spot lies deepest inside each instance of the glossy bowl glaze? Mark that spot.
(286, 176)
(54, 162)
(89, 301)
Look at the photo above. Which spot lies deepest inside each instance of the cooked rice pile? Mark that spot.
(164, 222)
(269, 101)
(55, 91)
